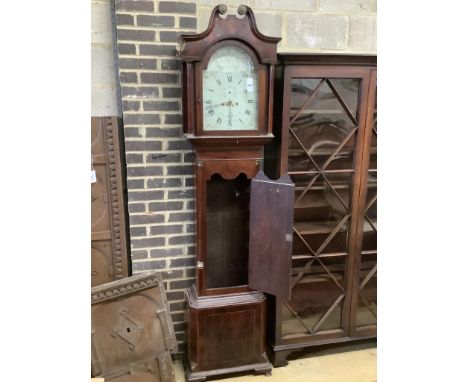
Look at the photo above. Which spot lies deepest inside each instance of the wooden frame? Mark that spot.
(370, 330)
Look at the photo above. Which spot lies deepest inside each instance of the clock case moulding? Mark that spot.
(226, 325)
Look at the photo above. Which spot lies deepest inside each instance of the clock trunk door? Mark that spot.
(271, 233)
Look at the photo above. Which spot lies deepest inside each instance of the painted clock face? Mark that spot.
(230, 91)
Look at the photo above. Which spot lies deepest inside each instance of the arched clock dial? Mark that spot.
(230, 91)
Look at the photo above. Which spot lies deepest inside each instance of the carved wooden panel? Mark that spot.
(108, 206)
(131, 324)
(159, 369)
(271, 232)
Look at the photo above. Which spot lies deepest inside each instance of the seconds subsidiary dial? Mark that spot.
(230, 91)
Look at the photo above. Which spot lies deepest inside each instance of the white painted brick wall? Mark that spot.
(104, 89)
(309, 26)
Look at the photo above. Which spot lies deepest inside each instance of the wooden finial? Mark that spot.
(242, 10)
(222, 9)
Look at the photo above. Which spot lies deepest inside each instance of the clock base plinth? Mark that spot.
(201, 376)
(226, 334)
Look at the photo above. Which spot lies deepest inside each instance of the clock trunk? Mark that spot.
(227, 231)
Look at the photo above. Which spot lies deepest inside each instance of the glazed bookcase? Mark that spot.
(328, 146)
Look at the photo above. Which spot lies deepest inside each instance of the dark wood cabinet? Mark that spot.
(328, 147)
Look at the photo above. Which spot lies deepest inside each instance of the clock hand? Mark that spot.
(218, 105)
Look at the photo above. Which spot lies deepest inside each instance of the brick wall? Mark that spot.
(159, 160)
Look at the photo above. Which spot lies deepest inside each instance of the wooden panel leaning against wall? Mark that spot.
(109, 217)
(132, 334)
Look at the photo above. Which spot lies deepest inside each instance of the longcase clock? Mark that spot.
(228, 76)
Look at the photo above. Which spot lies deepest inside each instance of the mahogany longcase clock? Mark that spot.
(228, 76)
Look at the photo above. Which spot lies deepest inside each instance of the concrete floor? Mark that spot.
(344, 363)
